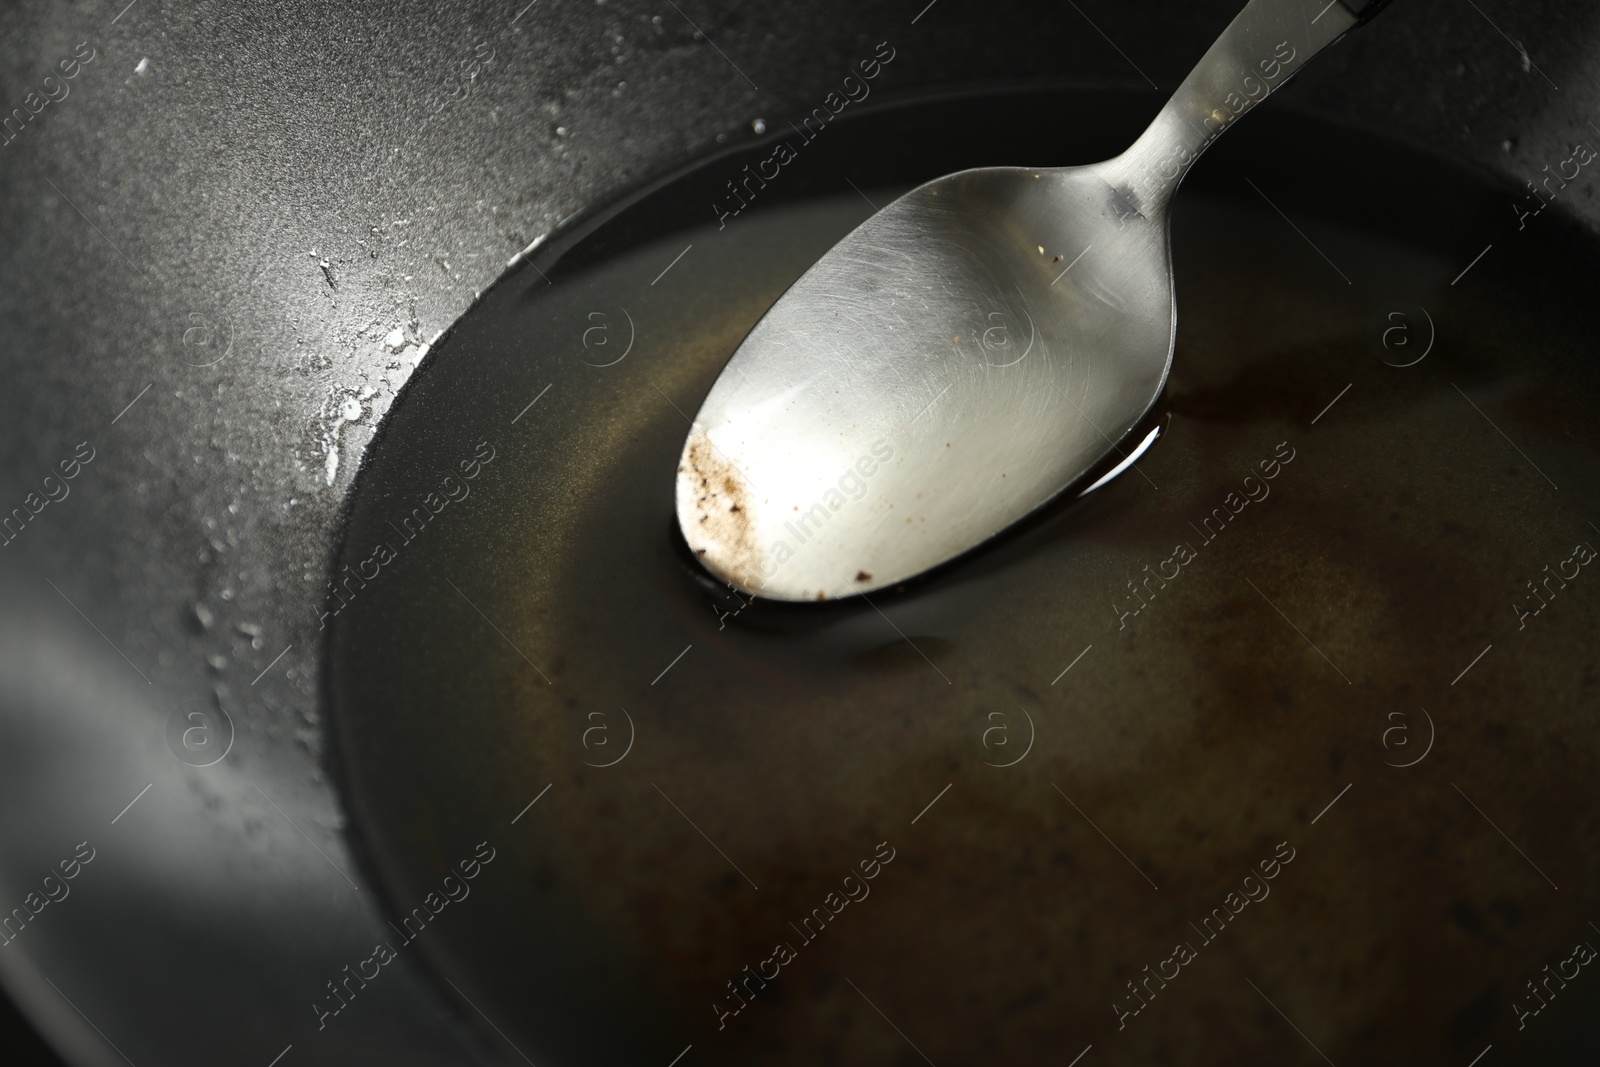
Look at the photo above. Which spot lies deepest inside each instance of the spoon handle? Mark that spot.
(1262, 48)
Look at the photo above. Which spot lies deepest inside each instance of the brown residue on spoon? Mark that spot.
(721, 534)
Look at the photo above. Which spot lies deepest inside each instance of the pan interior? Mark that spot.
(1291, 727)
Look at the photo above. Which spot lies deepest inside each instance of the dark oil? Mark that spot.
(1136, 699)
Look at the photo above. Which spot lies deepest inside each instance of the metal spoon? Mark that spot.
(967, 353)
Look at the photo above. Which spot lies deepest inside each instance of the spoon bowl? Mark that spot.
(850, 442)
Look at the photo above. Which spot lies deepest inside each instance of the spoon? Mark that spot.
(967, 353)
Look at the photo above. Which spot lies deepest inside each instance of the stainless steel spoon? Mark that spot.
(967, 353)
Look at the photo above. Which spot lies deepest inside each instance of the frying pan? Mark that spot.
(232, 238)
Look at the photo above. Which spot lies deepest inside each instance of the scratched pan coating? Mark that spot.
(1088, 768)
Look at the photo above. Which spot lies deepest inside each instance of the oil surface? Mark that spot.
(1268, 743)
